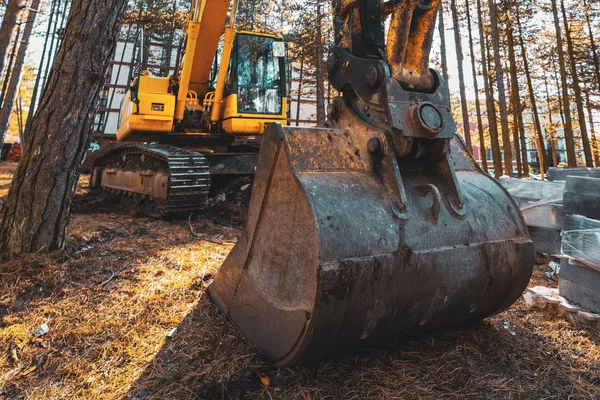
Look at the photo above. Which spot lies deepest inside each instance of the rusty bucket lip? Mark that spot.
(295, 353)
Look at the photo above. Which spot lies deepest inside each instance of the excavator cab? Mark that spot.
(380, 224)
(255, 90)
(254, 93)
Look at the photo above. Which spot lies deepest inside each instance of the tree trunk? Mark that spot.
(540, 142)
(320, 79)
(506, 145)
(570, 143)
(38, 78)
(489, 97)
(442, 30)
(552, 127)
(476, 87)
(595, 150)
(517, 111)
(54, 43)
(587, 150)
(299, 98)
(36, 212)
(15, 76)
(13, 54)
(11, 15)
(461, 77)
(592, 43)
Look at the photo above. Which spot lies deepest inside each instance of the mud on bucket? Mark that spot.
(343, 248)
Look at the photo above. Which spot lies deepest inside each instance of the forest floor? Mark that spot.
(108, 339)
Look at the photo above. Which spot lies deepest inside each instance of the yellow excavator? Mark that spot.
(380, 225)
(207, 119)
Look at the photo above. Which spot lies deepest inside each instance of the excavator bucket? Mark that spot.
(378, 226)
(329, 260)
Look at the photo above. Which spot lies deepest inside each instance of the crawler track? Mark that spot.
(166, 181)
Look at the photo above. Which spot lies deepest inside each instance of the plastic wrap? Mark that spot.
(530, 194)
(581, 240)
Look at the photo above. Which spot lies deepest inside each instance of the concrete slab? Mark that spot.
(560, 174)
(582, 197)
(580, 285)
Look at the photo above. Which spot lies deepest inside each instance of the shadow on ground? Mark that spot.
(508, 356)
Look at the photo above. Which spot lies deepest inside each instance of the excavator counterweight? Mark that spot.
(380, 224)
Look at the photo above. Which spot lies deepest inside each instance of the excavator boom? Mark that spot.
(381, 224)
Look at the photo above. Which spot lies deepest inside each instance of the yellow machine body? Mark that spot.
(153, 114)
(206, 119)
(152, 107)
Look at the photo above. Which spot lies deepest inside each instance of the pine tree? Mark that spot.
(36, 212)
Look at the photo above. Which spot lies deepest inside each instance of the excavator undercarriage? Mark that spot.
(380, 224)
(166, 181)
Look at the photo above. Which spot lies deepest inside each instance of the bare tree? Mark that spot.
(571, 158)
(461, 74)
(476, 87)
(506, 145)
(532, 100)
(442, 31)
(489, 96)
(36, 212)
(15, 77)
(11, 15)
(587, 150)
(515, 98)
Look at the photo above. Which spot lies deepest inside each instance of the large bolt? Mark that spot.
(375, 146)
(428, 118)
(372, 76)
(332, 61)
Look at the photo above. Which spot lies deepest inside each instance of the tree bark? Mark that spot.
(13, 54)
(594, 144)
(9, 22)
(506, 145)
(442, 30)
(552, 127)
(15, 76)
(38, 78)
(587, 150)
(540, 142)
(299, 98)
(489, 96)
(476, 87)
(319, 75)
(517, 111)
(461, 76)
(36, 212)
(570, 143)
(592, 43)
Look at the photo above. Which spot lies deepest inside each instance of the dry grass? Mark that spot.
(110, 341)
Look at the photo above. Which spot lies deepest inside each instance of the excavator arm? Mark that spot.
(381, 224)
(203, 30)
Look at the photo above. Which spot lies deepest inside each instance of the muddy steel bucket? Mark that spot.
(345, 244)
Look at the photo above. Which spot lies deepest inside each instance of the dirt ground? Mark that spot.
(126, 281)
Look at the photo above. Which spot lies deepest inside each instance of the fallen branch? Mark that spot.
(205, 237)
(106, 282)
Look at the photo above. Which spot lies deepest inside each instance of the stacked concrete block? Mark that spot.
(561, 174)
(541, 203)
(580, 267)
